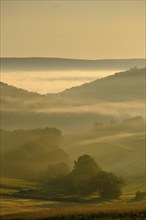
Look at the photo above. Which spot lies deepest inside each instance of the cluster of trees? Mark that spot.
(87, 178)
(10, 139)
(139, 196)
(26, 153)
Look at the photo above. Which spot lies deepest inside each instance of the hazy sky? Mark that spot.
(73, 29)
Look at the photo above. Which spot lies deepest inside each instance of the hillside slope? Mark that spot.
(123, 86)
(116, 146)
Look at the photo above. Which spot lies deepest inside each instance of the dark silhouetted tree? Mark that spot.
(85, 165)
(77, 182)
(139, 195)
(108, 185)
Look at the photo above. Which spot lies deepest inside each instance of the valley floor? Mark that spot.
(21, 208)
(65, 208)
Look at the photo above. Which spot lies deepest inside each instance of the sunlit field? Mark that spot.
(30, 209)
(13, 207)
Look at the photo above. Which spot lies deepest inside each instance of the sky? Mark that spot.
(73, 29)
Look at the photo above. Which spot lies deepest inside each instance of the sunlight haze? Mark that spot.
(73, 29)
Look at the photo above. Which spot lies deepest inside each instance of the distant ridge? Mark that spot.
(46, 64)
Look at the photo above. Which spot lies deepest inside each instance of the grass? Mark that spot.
(19, 205)
(12, 183)
(7, 191)
(13, 208)
(10, 186)
(133, 185)
(41, 210)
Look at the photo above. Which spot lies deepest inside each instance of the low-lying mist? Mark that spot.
(45, 82)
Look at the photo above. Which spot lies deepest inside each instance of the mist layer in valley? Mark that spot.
(117, 96)
(53, 75)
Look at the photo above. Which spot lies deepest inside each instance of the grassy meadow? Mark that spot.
(66, 208)
(31, 209)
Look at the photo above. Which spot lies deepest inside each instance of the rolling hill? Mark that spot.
(117, 146)
(124, 86)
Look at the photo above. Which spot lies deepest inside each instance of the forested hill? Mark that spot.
(32, 150)
(123, 86)
(13, 92)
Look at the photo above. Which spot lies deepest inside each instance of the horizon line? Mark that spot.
(64, 58)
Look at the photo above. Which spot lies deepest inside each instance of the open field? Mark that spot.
(67, 208)
(30, 209)
(9, 186)
(17, 183)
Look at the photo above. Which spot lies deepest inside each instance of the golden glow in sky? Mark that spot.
(73, 29)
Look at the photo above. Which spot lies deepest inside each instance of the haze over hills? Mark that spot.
(46, 64)
(117, 146)
(33, 150)
(119, 95)
(126, 85)
(115, 141)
